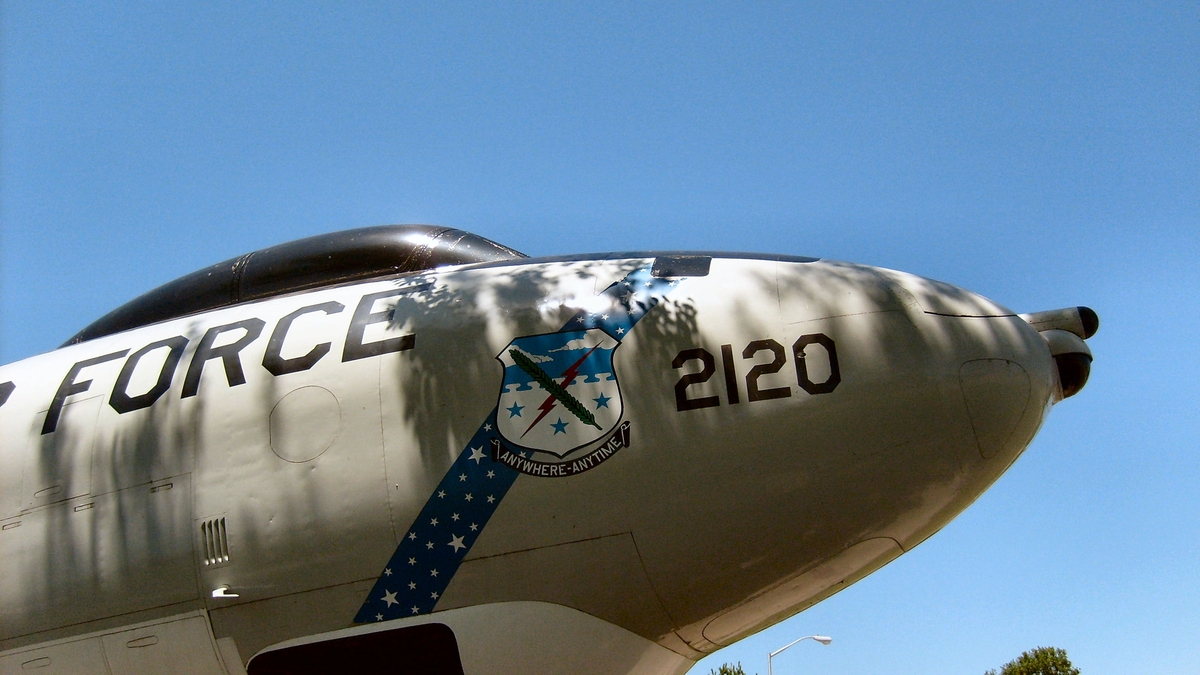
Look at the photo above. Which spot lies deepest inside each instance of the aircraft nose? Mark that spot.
(1010, 367)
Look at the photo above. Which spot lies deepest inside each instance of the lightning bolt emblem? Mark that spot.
(556, 390)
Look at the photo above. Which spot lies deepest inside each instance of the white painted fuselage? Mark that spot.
(731, 448)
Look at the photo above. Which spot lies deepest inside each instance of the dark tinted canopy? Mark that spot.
(323, 260)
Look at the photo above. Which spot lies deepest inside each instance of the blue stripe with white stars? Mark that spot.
(436, 543)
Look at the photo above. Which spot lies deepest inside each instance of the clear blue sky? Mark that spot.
(1043, 154)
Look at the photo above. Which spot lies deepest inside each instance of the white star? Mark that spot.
(433, 573)
(415, 610)
(468, 497)
(620, 331)
(580, 319)
(491, 474)
(491, 499)
(477, 454)
(412, 561)
(456, 543)
(604, 316)
(454, 517)
(390, 599)
(433, 522)
(429, 545)
(474, 527)
(379, 617)
(462, 477)
(412, 585)
(674, 282)
(441, 493)
(388, 571)
(434, 595)
(487, 427)
(412, 535)
(649, 283)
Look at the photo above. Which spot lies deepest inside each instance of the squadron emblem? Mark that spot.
(559, 394)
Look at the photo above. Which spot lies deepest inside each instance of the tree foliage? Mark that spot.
(1040, 661)
(727, 669)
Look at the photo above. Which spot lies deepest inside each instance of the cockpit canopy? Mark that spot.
(323, 260)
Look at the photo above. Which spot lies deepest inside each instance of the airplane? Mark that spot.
(409, 449)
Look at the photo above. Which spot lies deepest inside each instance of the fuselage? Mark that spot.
(740, 437)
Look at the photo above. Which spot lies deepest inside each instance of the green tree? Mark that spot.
(727, 669)
(1040, 661)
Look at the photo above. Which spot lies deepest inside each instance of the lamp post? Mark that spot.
(823, 639)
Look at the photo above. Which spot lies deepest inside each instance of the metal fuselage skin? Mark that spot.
(789, 426)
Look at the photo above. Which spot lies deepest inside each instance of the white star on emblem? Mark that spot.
(429, 545)
(415, 610)
(412, 561)
(491, 474)
(412, 535)
(433, 573)
(487, 427)
(433, 522)
(456, 543)
(477, 454)
(441, 493)
(388, 571)
(491, 499)
(474, 527)
(454, 517)
(649, 283)
(468, 497)
(462, 477)
(379, 617)
(390, 599)
(434, 595)
(620, 331)
(412, 585)
(604, 316)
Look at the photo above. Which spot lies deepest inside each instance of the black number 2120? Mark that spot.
(708, 368)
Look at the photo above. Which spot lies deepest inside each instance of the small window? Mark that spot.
(681, 266)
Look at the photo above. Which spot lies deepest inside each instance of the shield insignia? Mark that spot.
(560, 391)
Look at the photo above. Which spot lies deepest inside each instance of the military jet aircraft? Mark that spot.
(409, 449)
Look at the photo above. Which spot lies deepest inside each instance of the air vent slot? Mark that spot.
(216, 541)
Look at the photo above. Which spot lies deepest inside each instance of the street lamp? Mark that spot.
(823, 639)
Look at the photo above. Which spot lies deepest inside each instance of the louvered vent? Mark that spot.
(216, 541)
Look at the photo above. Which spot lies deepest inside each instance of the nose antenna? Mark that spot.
(1082, 321)
(1065, 331)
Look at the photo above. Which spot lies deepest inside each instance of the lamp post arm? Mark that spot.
(819, 638)
(777, 652)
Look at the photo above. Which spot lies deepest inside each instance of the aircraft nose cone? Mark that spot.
(997, 394)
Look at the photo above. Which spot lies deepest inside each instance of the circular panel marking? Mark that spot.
(305, 423)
